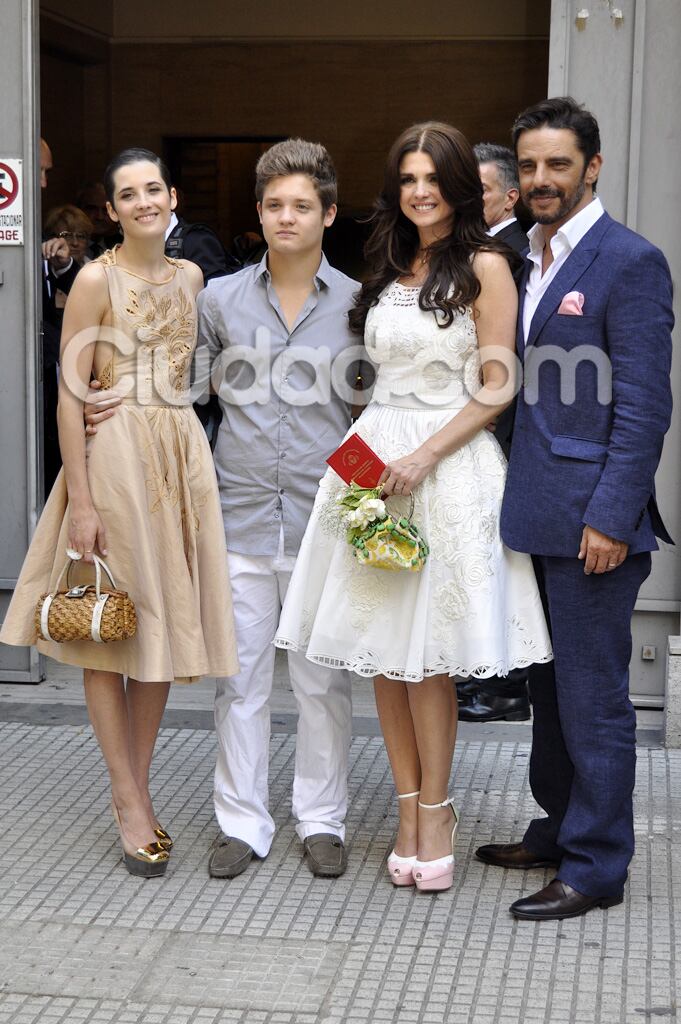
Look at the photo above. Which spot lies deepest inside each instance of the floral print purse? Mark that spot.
(378, 538)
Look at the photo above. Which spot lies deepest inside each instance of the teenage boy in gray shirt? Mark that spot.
(281, 352)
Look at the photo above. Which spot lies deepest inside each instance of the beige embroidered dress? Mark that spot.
(152, 480)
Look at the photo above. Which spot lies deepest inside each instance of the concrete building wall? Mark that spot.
(309, 19)
(626, 70)
(95, 17)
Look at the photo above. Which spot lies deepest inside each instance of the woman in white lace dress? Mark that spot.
(438, 313)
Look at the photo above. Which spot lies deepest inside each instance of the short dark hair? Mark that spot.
(503, 158)
(561, 112)
(297, 156)
(133, 155)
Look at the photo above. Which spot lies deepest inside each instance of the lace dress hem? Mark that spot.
(369, 665)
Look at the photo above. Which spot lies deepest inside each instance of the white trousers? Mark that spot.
(242, 718)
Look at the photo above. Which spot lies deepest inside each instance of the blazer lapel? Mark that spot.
(577, 262)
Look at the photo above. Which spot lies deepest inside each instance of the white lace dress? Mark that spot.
(474, 609)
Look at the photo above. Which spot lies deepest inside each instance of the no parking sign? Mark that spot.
(11, 202)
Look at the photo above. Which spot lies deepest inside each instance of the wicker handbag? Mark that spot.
(85, 612)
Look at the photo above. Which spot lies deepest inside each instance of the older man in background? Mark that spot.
(499, 698)
(500, 193)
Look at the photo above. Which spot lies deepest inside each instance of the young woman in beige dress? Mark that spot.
(141, 493)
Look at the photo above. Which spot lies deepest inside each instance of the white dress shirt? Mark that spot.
(496, 228)
(47, 270)
(173, 224)
(562, 244)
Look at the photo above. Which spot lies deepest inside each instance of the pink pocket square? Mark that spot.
(572, 304)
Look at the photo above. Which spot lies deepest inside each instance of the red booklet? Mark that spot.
(355, 462)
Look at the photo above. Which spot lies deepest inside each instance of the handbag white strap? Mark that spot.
(99, 564)
(97, 612)
(44, 618)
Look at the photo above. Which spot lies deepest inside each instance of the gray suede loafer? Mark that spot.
(230, 858)
(325, 855)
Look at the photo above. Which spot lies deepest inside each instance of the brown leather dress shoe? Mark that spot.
(559, 900)
(325, 855)
(512, 855)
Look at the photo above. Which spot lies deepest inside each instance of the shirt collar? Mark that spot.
(323, 271)
(572, 231)
(262, 268)
(172, 225)
(496, 228)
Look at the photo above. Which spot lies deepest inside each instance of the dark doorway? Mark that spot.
(215, 177)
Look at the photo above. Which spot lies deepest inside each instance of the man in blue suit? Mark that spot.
(594, 337)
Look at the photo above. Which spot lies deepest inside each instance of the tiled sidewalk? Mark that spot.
(82, 941)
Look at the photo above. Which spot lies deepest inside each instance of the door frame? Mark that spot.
(20, 298)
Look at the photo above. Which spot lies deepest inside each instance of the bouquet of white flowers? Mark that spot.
(378, 538)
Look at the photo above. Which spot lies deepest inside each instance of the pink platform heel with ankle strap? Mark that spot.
(437, 875)
(401, 869)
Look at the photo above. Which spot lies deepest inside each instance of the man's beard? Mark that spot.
(567, 202)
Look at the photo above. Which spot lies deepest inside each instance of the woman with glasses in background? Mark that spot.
(75, 227)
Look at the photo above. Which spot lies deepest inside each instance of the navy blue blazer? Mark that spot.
(590, 455)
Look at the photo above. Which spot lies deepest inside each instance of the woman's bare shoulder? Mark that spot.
(89, 295)
(92, 276)
(487, 262)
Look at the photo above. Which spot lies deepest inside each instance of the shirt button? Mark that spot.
(277, 515)
(281, 490)
(283, 455)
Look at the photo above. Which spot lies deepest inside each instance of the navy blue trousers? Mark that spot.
(583, 761)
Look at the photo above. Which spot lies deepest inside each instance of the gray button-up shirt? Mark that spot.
(282, 413)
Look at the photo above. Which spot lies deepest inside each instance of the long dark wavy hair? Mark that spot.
(391, 248)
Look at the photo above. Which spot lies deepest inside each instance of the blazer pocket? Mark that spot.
(589, 317)
(582, 448)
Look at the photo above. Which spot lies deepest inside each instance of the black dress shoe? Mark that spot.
(512, 855)
(484, 708)
(559, 900)
(467, 690)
